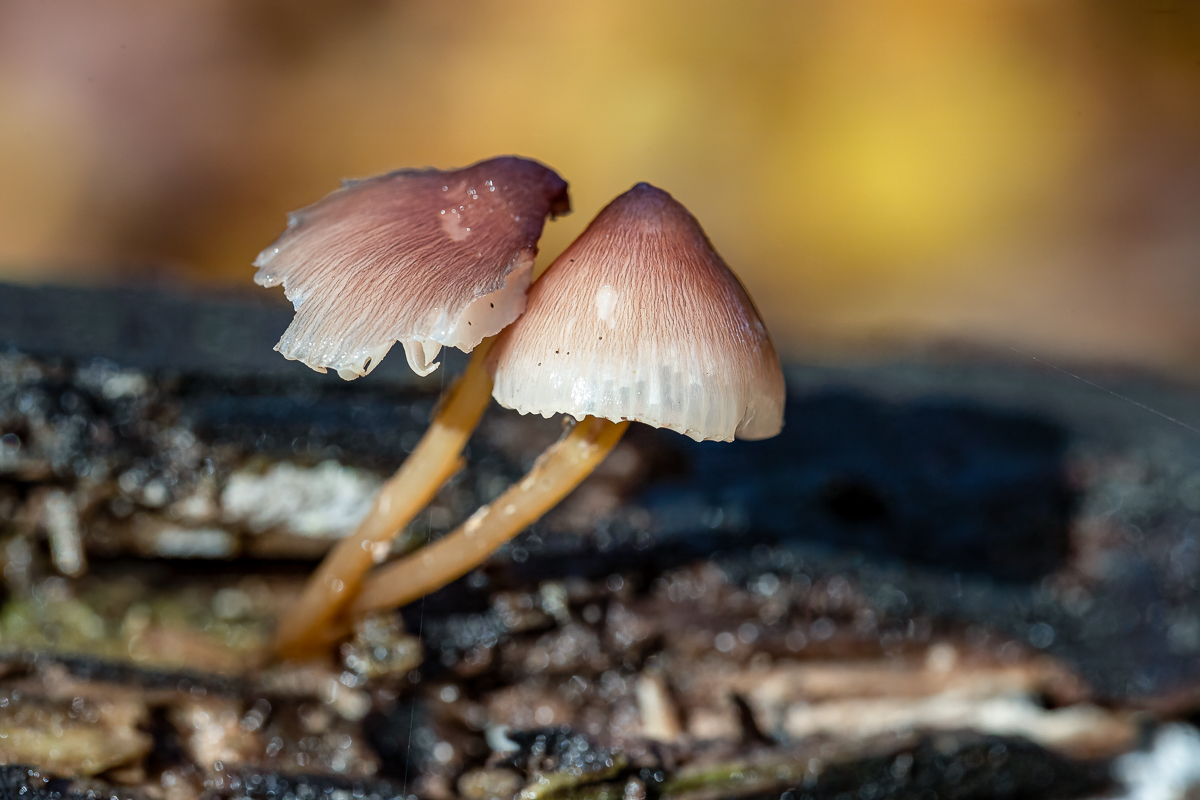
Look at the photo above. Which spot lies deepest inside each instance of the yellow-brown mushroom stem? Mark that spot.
(303, 630)
(557, 471)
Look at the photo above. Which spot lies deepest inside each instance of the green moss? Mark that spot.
(734, 778)
(567, 784)
(65, 625)
(156, 631)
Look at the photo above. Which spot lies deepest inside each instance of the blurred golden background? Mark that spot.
(880, 174)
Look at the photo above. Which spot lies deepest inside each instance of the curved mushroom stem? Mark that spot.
(436, 458)
(557, 471)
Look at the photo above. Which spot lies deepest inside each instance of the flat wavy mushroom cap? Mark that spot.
(424, 257)
(640, 319)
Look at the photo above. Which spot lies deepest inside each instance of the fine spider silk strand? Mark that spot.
(1117, 395)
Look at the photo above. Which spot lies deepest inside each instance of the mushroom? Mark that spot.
(428, 258)
(419, 256)
(639, 320)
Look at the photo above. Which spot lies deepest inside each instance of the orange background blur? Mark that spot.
(1010, 172)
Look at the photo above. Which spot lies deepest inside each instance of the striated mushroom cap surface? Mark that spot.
(420, 256)
(640, 319)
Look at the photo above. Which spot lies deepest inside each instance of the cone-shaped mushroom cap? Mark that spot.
(423, 257)
(640, 319)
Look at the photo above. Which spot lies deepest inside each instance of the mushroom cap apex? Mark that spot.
(648, 195)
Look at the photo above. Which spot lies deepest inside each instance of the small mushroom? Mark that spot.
(419, 256)
(639, 320)
(427, 258)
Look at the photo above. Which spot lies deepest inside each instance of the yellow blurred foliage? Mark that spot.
(899, 158)
(1004, 170)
